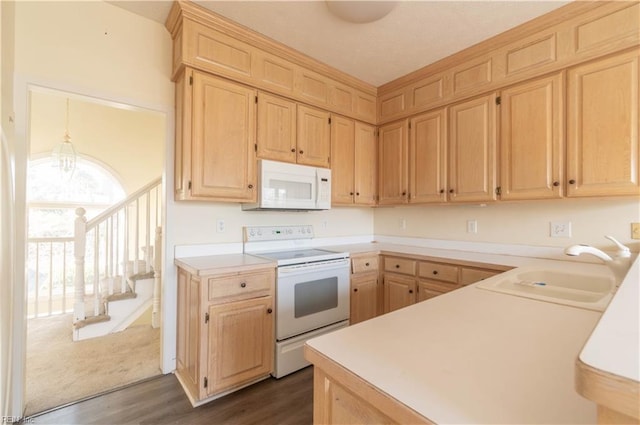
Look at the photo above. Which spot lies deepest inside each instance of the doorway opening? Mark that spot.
(93, 281)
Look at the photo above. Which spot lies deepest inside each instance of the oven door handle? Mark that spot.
(324, 265)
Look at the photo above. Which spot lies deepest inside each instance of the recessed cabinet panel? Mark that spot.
(609, 28)
(342, 165)
(217, 52)
(469, 77)
(427, 158)
(276, 128)
(392, 159)
(531, 139)
(314, 137)
(223, 157)
(534, 54)
(602, 151)
(472, 150)
(275, 73)
(392, 104)
(399, 292)
(366, 164)
(240, 342)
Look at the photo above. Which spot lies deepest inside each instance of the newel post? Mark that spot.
(79, 236)
(157, 274)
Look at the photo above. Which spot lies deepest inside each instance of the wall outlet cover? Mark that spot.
(560, 229)
(635, 230)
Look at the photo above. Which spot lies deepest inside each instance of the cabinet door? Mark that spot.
(427, 158)
(364, 297)
(531, 140)
(343, 160)
(602, 136)
(366, 164)
(425, 291)
(392, 170)
(399, 292)
(189, 322)
(472, 150)
(314, 138)
(276, 128)
(223, 155)
(240, 343)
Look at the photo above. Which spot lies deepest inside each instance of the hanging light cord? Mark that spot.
(67, 138)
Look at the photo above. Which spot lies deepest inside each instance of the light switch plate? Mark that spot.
(635, 230)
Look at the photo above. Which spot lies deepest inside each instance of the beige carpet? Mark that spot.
(60, 371)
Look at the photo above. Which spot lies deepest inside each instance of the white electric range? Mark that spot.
(312, 289)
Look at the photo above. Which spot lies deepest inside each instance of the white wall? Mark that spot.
(10, 390)
(92, 49)
(525, 223)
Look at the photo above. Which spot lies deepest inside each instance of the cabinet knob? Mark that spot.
(250, 186)
(357, 193)
(441, 190)
(435, 272)
(366, 264)
(397, 266)
(355, 289)
(301, 152)
(411, 291)
(269, 310)
(572, 181)
(351, 193)
(404, 193)
(293, 150)
(243, 285)
(556, 184)
(450, 190)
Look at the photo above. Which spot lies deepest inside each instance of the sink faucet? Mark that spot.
(619, 264)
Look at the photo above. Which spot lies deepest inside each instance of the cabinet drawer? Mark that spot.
(364, 264)
(444, 272)
(400, 265)
(468, 276)
(241, 286)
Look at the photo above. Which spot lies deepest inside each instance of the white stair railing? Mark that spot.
(120, 239)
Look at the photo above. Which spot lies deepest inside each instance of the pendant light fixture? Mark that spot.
(64, 155)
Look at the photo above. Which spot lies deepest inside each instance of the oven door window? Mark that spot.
(315, 296)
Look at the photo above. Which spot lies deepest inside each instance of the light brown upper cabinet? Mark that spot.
(472, 150)
(366, 164)
(215, 136)
(393, 176)
(602, 137)
(313, 137)
(427, 157)
(531, 140)
(353, 164)
(276, 128)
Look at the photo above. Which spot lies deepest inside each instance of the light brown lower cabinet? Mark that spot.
(365, 292)
(341, 397)
(225, 331)
(408, 280)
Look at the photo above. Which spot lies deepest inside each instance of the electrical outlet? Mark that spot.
(220, 228)
(403, 223)
(472, 226)
(560, 229)
(325, 224)
(635, 230)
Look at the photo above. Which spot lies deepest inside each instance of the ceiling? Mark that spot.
(412, 35)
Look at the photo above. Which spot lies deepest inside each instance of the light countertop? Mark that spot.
(227, 263)
(473, 356)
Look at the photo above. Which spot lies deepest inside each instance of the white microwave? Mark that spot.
(284, 186)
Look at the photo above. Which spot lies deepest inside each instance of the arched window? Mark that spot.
(52, 201)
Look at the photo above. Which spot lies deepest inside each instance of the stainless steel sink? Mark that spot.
(588, 291)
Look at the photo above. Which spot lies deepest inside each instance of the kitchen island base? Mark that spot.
(341, 397)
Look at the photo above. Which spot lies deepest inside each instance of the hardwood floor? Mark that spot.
(288, 400)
